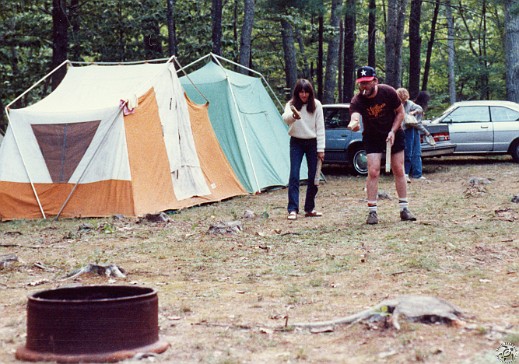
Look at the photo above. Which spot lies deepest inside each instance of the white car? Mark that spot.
(483, 127)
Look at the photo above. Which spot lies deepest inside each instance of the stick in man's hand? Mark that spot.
(388, 156)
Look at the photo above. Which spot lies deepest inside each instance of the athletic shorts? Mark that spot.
(377, 143)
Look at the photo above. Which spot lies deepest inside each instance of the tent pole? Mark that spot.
(37, 83)
(25, 166)
(256, 72)
(194, 62)
(7, 108)
(117, 63)
(241, 124)
(119, 110)
(192, 83)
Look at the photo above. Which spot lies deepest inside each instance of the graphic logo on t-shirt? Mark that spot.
(375, 110)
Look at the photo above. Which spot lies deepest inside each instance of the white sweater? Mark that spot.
(311, 125)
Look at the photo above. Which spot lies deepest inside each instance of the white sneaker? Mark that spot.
(422, 178)
(430, 140)
(408, 180)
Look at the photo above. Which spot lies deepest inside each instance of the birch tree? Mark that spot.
(511, 47)
(451, 54)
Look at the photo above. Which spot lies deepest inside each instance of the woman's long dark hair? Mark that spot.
(422, 99)
(303, 85)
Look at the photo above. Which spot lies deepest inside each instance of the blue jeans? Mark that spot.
(298, 149)
(413, 153)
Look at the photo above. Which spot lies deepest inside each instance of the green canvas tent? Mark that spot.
(246, 121)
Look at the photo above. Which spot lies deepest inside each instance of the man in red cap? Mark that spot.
(381, 112)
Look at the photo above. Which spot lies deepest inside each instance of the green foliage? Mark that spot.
(117, 30)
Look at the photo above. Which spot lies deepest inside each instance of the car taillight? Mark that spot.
(441, 137)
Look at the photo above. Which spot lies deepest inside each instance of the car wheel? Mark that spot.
(514, 151)
(359, 161)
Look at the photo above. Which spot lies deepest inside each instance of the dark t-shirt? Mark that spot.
(378, 113)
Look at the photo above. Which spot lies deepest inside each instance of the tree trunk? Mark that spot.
(415, 47)
(235, 30)
(75, 22)
(246, 35)
(350, 21)
(333, 54)
(172, 31)
(430, 45)
(216, 13)
(59, 40)
(320, 56)
(340, 59)
(484, 88)
(450, 50)
(287, 36)
(372, 33)
(511, 47)
(305, 72)
(394, 37)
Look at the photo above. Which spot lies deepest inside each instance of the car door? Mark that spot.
(338, 137)
(470, 129)
(506, 127)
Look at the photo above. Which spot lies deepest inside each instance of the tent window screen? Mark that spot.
(63, 146)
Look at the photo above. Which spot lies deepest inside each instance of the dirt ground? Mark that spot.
(231, 298)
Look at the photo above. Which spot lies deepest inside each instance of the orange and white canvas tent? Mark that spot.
(111, 139)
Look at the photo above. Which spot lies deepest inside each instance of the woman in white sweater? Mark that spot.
(304, 117)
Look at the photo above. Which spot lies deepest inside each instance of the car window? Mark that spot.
(336, 117)
(465, 114)
(500, 113)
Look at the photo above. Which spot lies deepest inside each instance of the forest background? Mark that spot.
(454, 49)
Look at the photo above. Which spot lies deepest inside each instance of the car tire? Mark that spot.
(359, 161)
(514, 151)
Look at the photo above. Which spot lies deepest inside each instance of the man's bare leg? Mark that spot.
(373, 175)
(397, 165)
(374, 160)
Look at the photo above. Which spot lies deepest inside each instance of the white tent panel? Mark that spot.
(97, 87)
